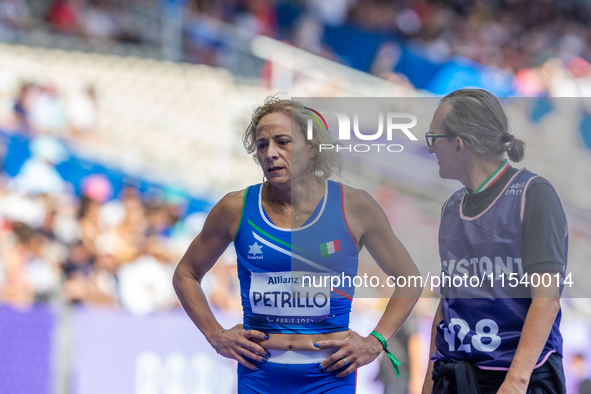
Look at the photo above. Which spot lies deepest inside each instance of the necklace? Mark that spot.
(295, 215)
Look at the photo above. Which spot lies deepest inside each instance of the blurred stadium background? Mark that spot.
(120, 127)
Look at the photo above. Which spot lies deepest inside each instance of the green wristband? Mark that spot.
(395, 362)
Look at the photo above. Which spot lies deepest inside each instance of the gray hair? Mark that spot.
(326, 163)
(477, 116)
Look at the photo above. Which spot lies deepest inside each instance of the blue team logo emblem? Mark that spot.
(255, 252)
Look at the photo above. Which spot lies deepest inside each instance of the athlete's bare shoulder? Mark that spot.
(357, 199)
(361, 211)
(225, 215)
(353, 192)
(232, 201)
(217, 233)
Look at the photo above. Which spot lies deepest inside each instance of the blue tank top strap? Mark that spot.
(312, 216)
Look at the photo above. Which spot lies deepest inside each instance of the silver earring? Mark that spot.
(312, 165)
(264, 180)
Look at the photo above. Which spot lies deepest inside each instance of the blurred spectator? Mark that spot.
(66, 16)
(14, 14)
(22, 104)
(38, 174)
(203, 31)
(83, 113)
(134, 227)
(579, 368)
(145, 283)
(79, 262)
(65, 226)
(161, 217)
(330, 12)
(105, 278)
(88, 219)
(16, 288)
(3, 151)
(19, 208)
(373, 15)
(130, 28)
(221, 285)
(96, 190)
(42, 269)
(257, 17)
(82, 283)
(307, 35)
(98, 22)
(97, 187)
(46, 113)
(529, 82)
(78, 270)
(386, 58)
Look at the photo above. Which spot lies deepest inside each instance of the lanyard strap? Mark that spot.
(494, 176)
(394, 360)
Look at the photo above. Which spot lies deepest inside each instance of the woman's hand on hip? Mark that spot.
(354, 351)
(236, 343)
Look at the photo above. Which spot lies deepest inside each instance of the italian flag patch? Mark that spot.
(330, 247)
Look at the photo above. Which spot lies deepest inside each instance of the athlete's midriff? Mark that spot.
(299, 342)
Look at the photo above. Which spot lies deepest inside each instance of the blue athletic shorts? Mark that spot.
(274, 378)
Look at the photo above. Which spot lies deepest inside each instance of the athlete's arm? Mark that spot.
(543, 230)
(536, 329)
(428, 384)
(370, 227)
(543, 251)
(218, 231)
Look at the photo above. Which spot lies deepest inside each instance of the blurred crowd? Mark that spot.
(42, 108)
(85, 243)
(96, 248)
(545, 44)
(96, 20)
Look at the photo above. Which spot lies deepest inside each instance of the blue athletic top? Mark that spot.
(286, 274)
(484, 326)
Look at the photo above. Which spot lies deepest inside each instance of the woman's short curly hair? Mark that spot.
(326, 163)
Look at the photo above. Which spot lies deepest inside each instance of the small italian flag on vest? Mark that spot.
(330, 247)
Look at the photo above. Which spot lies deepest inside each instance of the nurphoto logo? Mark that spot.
(393, 123)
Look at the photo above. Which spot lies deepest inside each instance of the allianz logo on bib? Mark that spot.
(282, 279)
(255, 252)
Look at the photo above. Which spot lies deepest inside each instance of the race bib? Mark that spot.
(289, 297)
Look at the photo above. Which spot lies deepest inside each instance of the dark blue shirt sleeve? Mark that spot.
(544, 229)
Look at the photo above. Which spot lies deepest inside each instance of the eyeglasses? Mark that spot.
(430, 137)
